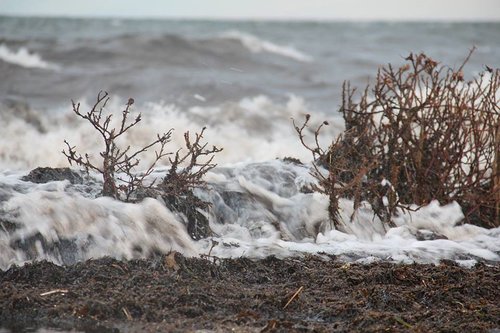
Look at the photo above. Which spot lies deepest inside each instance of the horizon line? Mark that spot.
(259, 19)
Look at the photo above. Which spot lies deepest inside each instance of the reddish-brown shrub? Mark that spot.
(422, 133)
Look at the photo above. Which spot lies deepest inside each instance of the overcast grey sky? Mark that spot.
(263, 9)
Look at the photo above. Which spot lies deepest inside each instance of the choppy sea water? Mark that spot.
(244, 81)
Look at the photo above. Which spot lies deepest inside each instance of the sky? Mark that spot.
(451, 10)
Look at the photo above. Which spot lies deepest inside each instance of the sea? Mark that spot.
(246, 82)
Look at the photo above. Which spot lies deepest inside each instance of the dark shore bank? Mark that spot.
(177, 294)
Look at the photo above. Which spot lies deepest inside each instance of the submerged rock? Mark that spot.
(35, 246)
(7, 226)
(188, 207)
(424, 235)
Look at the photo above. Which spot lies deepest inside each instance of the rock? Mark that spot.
(423, 235)
(65, 249)
(187, 206)
(292, 160)
(45, 175)
(7, 226)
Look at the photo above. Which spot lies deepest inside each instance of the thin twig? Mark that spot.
(293, 297)
(55, 291)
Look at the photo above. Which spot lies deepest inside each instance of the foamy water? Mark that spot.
(257, 210)
(243, 81)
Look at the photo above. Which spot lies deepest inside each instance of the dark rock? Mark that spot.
(423, 235)
(45, 175)
(188, 208)
(66, 249)
(292, 160)
(7, 226)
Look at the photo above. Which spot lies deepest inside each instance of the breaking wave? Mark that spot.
(258, 45)
(24, 58)
(258, 209)
(252, 129)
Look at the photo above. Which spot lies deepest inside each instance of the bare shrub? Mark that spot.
(187, 165)
(422, 133)
(177, 186)
(348, 160)
(114, 160)
(190, 176)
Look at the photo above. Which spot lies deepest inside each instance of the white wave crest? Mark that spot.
(258, 45)
(24, 58)
(98, 227)
(253, 129)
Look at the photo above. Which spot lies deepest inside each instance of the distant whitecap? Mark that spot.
(24, 58)
(257, 45)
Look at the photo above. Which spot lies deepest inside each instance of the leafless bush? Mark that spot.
(114, 160)
(190, 176)
(187, 166)
(422, 133)
(348, 162)
(177, 186)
